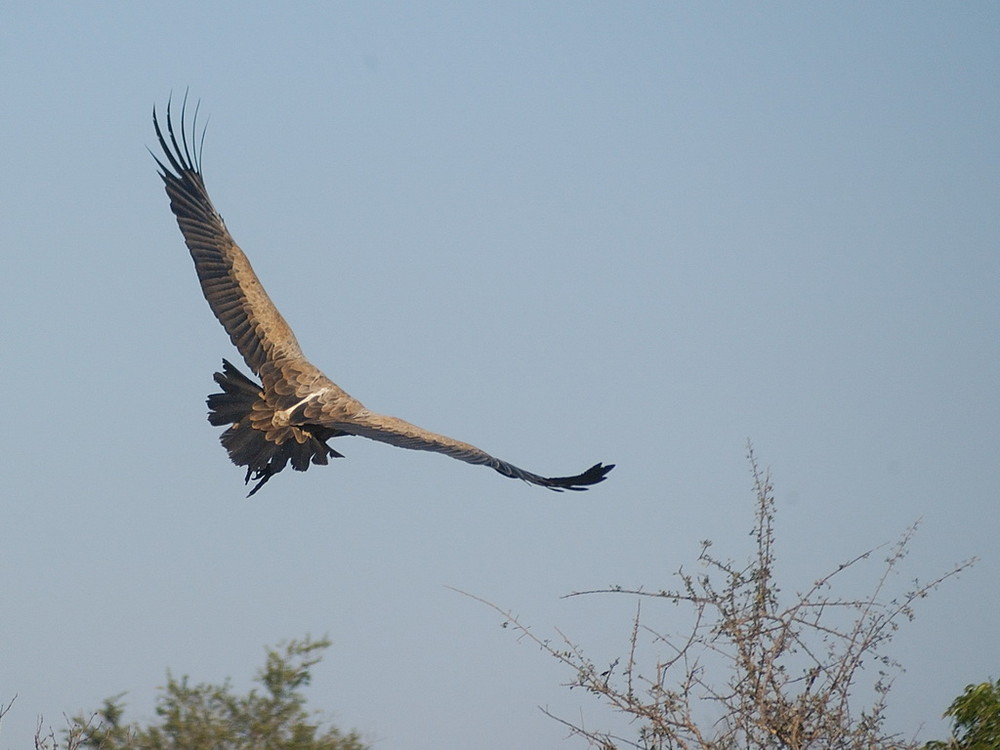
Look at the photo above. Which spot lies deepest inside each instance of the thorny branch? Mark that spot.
(782, 677)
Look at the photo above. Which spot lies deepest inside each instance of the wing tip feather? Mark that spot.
(581, 482)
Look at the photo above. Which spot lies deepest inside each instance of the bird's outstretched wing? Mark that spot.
(229, 283)
(297, 409)
(402, 434)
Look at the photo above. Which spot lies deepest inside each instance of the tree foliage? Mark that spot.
(213, 717)
(975, 716)
(756, 669)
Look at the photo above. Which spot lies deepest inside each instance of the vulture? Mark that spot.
(290, 415)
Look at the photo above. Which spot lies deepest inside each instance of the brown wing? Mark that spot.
(228, 282)
(311, 408)
(394, 431)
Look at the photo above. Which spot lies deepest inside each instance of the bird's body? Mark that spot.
(295, 409)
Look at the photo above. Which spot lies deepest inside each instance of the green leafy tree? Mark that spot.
(214, 717)
(975, 716)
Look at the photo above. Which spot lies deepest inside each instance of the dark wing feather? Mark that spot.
(228, 282)
(402, 434)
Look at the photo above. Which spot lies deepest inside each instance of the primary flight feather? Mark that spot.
(296, 409)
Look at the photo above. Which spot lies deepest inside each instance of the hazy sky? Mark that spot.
(570, 232)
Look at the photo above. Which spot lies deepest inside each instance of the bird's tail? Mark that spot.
(250, 443)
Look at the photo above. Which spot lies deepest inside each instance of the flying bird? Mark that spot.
(295, 409)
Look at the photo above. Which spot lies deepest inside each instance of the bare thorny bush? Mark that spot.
(73, 737)
(780, 675)
(45, 739)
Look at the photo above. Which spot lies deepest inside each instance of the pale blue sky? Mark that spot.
(566, 232)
